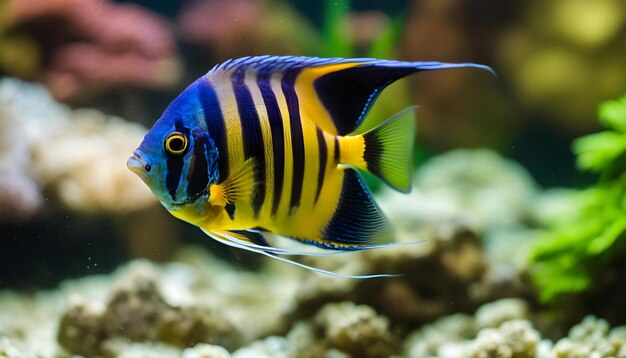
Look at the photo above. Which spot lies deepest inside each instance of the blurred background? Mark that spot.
(82, 80)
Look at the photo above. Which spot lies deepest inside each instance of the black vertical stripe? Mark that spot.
(336, 149)
(198, 175)
(175, 165)
(230, 210)
(252, 136)
(323, 153)
(276, 126)
(297, 138)
(215, 125)
(174, 170)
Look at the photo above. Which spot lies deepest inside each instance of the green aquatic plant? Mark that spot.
(582, 243)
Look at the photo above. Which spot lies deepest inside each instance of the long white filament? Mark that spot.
(281, 251)
(232, 241)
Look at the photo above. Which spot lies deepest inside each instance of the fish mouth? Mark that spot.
(137, 165)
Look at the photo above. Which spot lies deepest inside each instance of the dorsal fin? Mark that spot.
(335, 93)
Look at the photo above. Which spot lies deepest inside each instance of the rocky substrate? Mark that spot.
(200, 307)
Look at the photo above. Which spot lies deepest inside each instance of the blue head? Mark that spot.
(177, 158)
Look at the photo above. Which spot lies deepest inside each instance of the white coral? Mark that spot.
(206, 351)
(493, 314)
(514, 339)
(80, 154)
(591, 338)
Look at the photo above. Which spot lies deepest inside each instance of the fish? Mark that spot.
(265, 146)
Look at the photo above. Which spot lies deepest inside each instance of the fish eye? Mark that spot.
(176, 143)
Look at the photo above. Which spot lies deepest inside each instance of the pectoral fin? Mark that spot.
(237, 188)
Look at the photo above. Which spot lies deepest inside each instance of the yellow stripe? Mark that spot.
(257, 97)
(310, 106)
(309, 220)
(228, 105)
(351, 151)
(243, 216)
(329, 195)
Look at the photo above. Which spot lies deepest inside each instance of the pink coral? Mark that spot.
(90, 46)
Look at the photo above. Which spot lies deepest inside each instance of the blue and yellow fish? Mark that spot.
(264, 144)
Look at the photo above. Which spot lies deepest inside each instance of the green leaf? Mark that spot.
(568, 283)
(597, 151)
(612, 114)
(603, 242)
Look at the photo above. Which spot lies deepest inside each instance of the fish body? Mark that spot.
(266, 144)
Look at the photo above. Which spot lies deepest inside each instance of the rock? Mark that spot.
(137, 311)
(355, 329)
(492, 315)
(592, 338)
(271, 347)
(435, 337)
(513, 339)
(205, 351)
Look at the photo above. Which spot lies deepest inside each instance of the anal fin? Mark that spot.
(357, 219)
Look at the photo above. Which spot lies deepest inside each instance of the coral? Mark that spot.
(494, 191)
(212, 286)
(305, 342)
(20, 195)
(592, 338)
(26, 328)
(448, 336)
(205, 351)
(492, 315)
(479, 189)
(355, 329)
(178, 305)
(78, 154)
(95, 45)
(427, 341)
(514, 337)
(199, 308)
(337, 330)
(268, 348)
(449, 252)
(137, 311)
(146, 310)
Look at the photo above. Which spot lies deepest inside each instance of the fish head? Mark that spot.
(177, 158)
